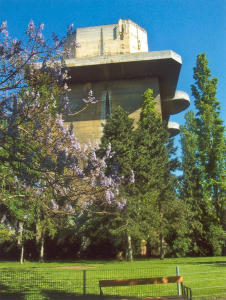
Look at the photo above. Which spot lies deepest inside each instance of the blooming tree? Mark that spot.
(44, 172)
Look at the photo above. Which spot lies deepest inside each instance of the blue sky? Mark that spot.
(187, 27)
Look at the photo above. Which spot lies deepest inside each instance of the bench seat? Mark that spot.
(186, 292)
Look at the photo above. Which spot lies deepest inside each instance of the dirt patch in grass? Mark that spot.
(75, 268)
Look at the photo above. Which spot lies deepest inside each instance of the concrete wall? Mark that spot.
(124, 37)
(126, 93)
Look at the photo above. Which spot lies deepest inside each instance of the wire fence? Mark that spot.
(206, 282)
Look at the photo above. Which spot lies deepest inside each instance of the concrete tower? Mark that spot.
(113, 61)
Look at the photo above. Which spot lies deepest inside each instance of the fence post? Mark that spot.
(178, 284)
(84, 282)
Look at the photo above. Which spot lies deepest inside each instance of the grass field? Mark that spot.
(63, 280)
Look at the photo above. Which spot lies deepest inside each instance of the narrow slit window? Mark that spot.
(108, 105)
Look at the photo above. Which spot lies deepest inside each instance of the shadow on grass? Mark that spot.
(212, 263)
(14, 296)
(59, 295)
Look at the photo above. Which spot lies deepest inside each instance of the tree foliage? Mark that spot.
(45, 173)
(203, 145)
(145, 151)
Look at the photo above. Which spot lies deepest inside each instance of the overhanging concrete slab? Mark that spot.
(162, 64)
(178, 103)
(173, 128)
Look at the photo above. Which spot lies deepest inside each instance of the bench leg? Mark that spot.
(101, 292)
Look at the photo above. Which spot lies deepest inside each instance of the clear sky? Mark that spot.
(187, 27)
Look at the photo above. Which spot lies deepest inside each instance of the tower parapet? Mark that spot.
(123, 37)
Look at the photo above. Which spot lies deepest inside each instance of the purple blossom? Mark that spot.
(40, 37)
(58, 150)
(102, 164)
(85, 205)
(90, 99)
(49, 137)
(41, 26)
(66, 88)
(59, 120)
(121, 204)
(85, 147)
(70, 27)
(77, 145)
(69, 208)
(108, 150)
(92, 181)
(93, 157)
(132, 177)
(54, 205)
(3, 26)
(3, 219)
(31, 28)
(3, 29)
(77, 170)
(108, 196)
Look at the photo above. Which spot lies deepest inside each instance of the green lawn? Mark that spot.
(206, 276)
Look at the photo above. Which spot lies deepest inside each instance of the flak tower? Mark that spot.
(114, 61)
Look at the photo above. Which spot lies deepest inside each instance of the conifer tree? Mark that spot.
(192, 189)
(203, 145)
(151, 199)
(152, 170)
(118, 135)
(210, 131)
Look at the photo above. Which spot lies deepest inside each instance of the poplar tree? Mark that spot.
(203, 144)
(210, 132)
(197, 212)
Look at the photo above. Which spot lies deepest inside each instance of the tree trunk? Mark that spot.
(22, 254)
(21, 242)
(162, 254)
(129, 247)
(41, 257)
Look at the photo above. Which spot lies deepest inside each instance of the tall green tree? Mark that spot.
(203, 143)
(152, 167)
(147, 151)
(210, 131)
(119, 136)
(198, 213)
(45, 174)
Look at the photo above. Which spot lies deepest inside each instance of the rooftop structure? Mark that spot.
(113, 61)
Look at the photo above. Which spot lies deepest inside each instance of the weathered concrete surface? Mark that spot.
(123, 37)
(164, 65)
(115, 63)
(178, 103)
(110, 94)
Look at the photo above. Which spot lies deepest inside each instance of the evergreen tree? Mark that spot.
(198, 213)
(210, 131)
(203, 145)
(152, 167)
(152, 197)
(118, 135)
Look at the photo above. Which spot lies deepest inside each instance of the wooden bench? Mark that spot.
(186, 292)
